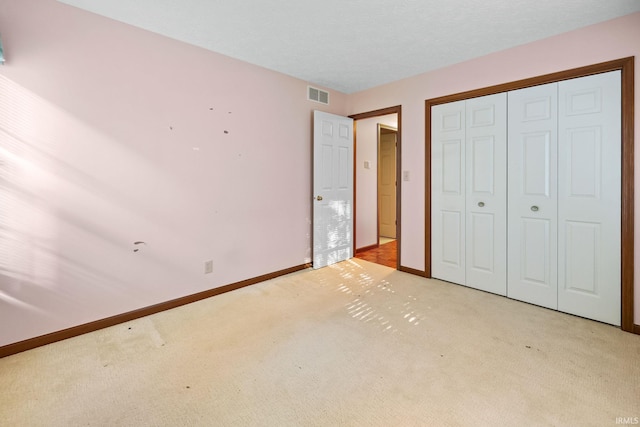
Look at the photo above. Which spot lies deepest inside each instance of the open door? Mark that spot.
(387, 182)
(332, 188)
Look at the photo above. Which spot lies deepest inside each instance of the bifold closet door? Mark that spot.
(448, 132)
(565, 196)
(589, 197)
(556, 207)
(533, 197)
(486, 193)
(468, 192)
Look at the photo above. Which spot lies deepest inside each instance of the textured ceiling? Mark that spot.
(352, 45)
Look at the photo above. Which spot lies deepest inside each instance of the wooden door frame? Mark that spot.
(626, 67)
(367, 115)
(379, 130)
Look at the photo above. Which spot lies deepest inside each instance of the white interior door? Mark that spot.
(387, 184)
(532, 207)
(486, 193)
(589, 197)
(448, 192)
(332, 188)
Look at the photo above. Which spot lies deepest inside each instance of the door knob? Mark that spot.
(534, 208)
(481, 204)
(319, 198)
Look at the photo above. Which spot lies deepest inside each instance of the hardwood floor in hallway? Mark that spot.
(386, 254)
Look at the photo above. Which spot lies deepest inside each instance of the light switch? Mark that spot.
(367, 164)
(405, 175)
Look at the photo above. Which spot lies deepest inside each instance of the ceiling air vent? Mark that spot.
(317, 95)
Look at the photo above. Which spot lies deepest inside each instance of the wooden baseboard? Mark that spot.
(32, 343)
(366, 248)
(412, 271)
(636, 329)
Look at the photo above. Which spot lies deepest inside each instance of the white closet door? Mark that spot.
(447, 192)
(486, 193)
(532, 205)
(589, 197)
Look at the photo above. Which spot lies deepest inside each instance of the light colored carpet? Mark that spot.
(354, 344)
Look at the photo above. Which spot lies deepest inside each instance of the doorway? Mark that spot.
(387, 142)
(377, 190)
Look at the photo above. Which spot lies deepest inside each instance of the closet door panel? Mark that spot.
(589, 194)
(532, 195)
(447, 192)
(486, 192)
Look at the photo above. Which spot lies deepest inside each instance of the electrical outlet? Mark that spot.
(208, 267)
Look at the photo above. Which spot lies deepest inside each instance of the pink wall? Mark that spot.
(367, 179)
(109, 135)
(610, 40)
